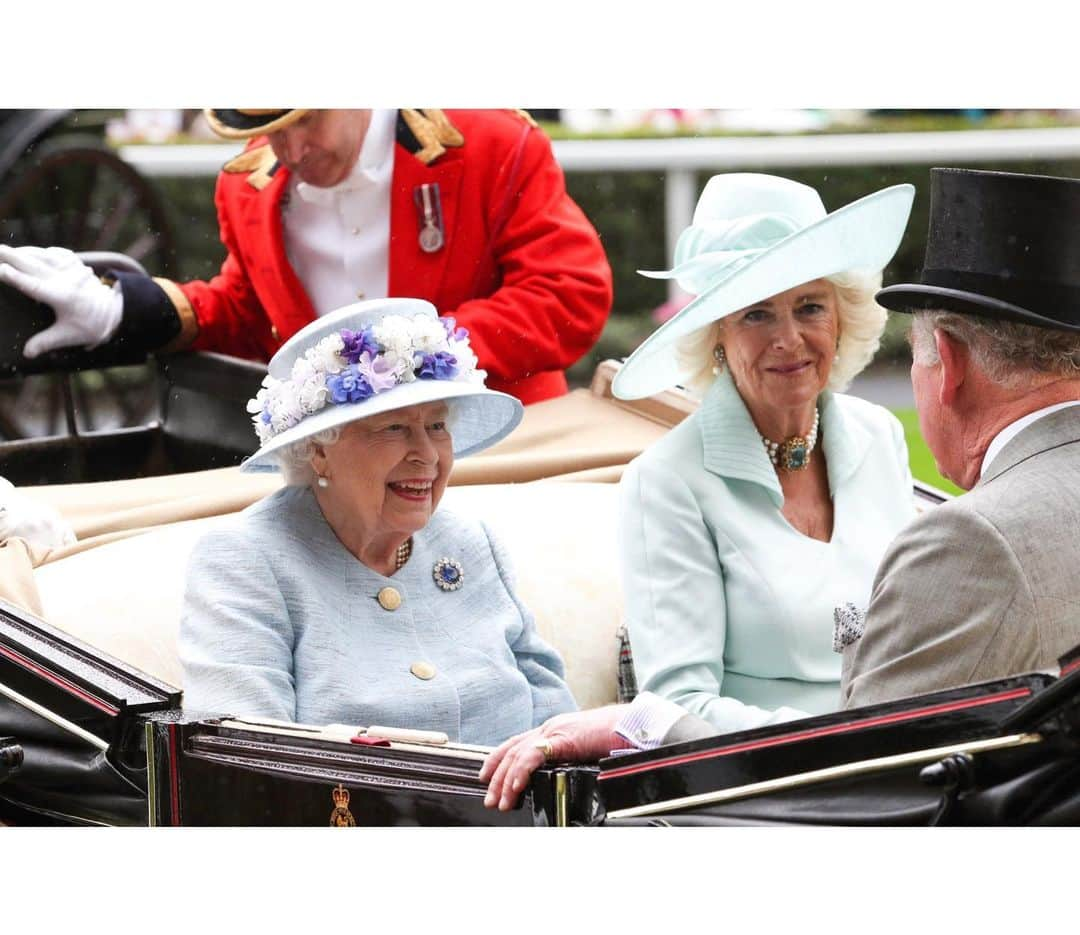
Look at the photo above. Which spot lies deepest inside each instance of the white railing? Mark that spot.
(682, 157)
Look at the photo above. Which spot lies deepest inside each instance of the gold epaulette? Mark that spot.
(259, 162)
(528, 118)
(431, 132)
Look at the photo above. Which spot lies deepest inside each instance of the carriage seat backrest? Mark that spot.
(125, 597)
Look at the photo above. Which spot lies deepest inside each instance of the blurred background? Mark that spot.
(635, 173)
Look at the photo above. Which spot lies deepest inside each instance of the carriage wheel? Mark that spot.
(74, 192)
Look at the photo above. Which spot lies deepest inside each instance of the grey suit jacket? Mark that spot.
(985, 586)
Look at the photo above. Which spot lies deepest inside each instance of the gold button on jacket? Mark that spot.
(389, 598)
(423, 670)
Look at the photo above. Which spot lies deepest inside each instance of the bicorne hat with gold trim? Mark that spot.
(244, 124)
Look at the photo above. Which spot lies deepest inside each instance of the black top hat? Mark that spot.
(1000, 245)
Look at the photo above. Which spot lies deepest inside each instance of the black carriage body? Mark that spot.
(100, 743)
(76, 714)
(217, 772)
(994, 753)
(89, 740)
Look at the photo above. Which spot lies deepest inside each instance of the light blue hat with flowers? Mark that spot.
(372, 357)
(752, 237)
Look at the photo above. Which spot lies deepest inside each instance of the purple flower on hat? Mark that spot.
(265, 415)
(349, 386)
(380, 373)
(453, 332)
(356, 343)
(438, 366)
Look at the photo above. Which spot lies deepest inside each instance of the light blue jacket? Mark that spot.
(281, 621)
(729, 608)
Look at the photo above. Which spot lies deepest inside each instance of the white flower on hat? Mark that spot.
(313, 393)
(310, 383)
(465, 357)
(395, 334)
(285, 408)
(258, 404)
(428, 335)
(403, 367)
(325, 357)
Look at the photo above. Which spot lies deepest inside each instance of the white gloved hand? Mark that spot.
(88, 312)
(38, 524)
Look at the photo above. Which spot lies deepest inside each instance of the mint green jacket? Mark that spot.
(729, 608)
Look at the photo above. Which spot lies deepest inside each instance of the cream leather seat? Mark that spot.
(124, 597)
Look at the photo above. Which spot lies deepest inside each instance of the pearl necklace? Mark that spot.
(793, 454)
(403, 552)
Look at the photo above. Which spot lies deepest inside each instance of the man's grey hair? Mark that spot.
(295, 460)
(861, 322)
(1009, 353)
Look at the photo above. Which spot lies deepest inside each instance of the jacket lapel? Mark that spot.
(730, 441)
(732, 444)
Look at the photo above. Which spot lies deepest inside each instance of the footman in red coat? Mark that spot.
(467, 209)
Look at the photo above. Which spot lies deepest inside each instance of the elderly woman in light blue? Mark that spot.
(348, 596)
(748, 524)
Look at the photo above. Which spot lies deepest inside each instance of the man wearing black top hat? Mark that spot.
(988, 584)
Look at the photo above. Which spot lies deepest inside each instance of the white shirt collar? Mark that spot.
(1013, 429)
(375, 159)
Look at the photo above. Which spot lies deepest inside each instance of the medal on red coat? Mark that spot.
(429, 214)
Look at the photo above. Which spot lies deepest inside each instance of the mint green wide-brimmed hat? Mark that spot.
(754, 236)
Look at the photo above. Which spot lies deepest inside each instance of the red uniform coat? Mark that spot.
(521, 266)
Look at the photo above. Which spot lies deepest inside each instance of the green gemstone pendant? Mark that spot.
(794, 454)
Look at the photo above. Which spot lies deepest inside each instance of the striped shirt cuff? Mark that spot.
(646, 722)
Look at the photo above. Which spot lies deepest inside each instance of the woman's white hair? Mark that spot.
(860, 325)
(295, 460)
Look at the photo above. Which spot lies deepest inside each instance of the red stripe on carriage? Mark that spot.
(819, 732)
(174, 776)
(1071, 667)
(57, 680)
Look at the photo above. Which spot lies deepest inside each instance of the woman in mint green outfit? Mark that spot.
(745, 526)
(749, 523)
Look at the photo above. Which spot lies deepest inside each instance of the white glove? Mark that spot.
(38, 524)
(87, 311)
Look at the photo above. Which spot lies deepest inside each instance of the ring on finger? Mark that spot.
(544, 746)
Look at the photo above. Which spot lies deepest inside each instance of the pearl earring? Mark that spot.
(718, 356)
(323, 482)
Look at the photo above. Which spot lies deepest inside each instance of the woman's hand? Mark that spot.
(580, 737)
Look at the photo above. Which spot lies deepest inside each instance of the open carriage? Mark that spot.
(94, 730)
(92, 724)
